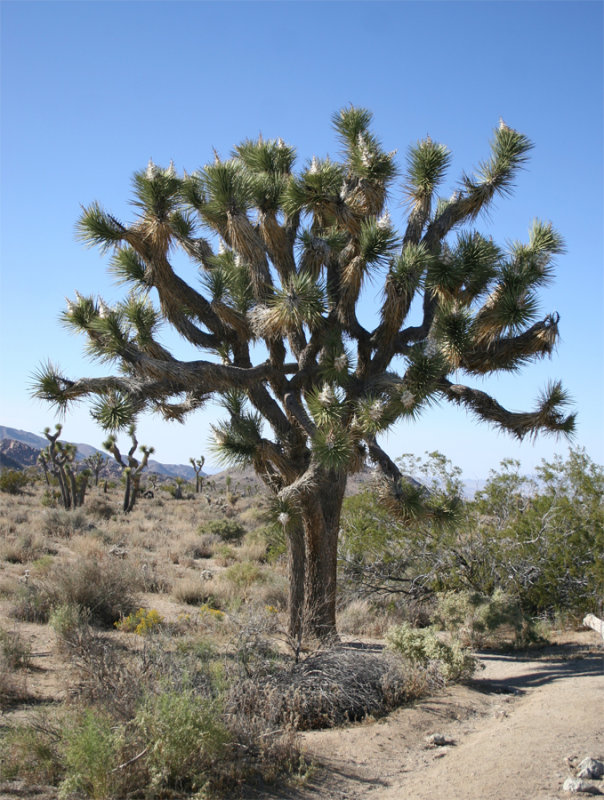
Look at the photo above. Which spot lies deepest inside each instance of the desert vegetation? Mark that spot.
(148, 653)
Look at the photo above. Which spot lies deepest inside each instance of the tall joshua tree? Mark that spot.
(282, 272)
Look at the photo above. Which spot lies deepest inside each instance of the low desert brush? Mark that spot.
(449, 662)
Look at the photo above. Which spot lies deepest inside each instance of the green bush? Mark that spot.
(15, 653)
(479, 620)
(226, 529)
(91, 746)
(184, 737)
(31, 752)
(12, 481)
(423, 647)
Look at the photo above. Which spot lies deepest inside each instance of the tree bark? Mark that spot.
(321, 509)
(296, 557)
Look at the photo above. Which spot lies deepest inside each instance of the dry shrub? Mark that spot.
(254, 547)
(61, 523)
(192, 591)
(100, 508)
(24, 548)
(329, 688)
(200, 547)
(361, 618)
(98, 582)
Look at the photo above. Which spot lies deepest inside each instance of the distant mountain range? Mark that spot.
(20, 449)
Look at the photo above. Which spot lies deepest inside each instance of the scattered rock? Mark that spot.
(437, 740)
(576, 785)
(590, 768)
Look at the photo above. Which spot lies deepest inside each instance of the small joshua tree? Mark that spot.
(132, 468)
(61, 458)
(96, 463)
(296, 248)
(197, 465)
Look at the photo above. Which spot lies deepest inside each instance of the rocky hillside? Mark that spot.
(19, 449)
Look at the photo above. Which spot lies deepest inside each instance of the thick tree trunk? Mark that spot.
(321, 511)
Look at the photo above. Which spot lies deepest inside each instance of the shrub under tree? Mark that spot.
(283, 264)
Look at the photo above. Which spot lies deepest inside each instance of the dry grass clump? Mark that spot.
(24, 548)
(361, 618)
(100, 583)
(329, 688)
(15, 655)
(192, 591)
(60, 523)
(200, 547)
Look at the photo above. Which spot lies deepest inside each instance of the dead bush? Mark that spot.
(329, 688)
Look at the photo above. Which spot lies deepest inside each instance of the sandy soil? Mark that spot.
(516, 732)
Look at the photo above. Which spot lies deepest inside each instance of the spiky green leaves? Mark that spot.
(228, 282)
(553, 404)
(534, 261)
(509, 152)
(300, 302)
(427, 163)
(143, 320)
(114, 411)
(98, 228)
(377, 240)
(220, 189)
(157, 191)
(316, 190)
(350, 123)
(129, 268)
(272, 156)
(427, 364)
(51, 385)
(453, 331)
(269, 164)
(237, 439)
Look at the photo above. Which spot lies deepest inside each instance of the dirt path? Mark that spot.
(514, 733)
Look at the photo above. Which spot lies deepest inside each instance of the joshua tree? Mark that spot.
(61, 457)
(283, 268)
(197, 464)
(96, 463)
(132, 468)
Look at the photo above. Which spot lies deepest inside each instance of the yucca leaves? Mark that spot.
(326, 406)
(300, 302)
(426, 365)
(427, 163)
(80, 313)
(334, 448)
(453, 331)
(509, 152)
(128, 267)
(237, 439)
(156, 191)
(49, 384)
(98, 228)
(143, 318)
(477, 260)
(220, 189)
(316, 190)
(350, 123)
(272, 156)
(376, 241)
(114, 411)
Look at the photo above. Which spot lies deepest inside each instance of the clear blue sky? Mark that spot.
(91, 90)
